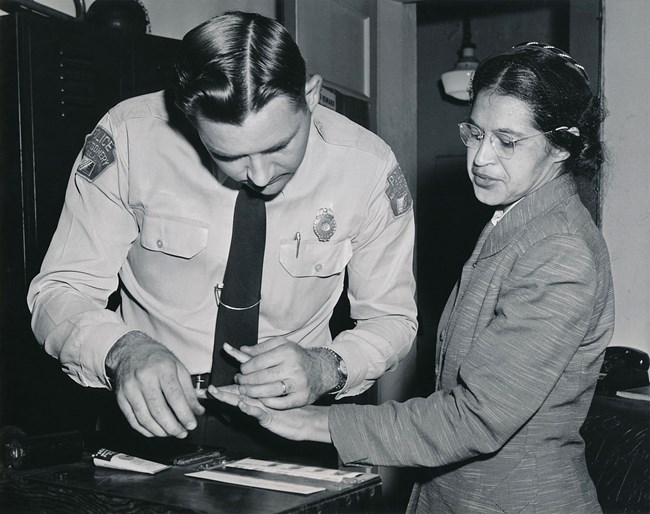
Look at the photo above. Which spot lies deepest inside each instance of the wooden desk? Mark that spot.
(81, 487)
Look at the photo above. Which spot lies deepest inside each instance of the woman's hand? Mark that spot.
(304, 424)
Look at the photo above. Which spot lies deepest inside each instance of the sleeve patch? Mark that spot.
(98, 154)
(398, 192)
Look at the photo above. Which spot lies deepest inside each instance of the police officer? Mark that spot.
(149, 206)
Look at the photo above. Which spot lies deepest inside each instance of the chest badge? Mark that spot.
(324, 224)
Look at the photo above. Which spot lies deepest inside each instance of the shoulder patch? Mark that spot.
(398, 192)
(98, 154)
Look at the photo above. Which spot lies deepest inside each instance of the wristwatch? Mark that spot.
(341, 371)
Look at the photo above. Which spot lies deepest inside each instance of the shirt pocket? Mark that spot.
(178, 237)
(314, 258)
(311, 286)
(169, 264)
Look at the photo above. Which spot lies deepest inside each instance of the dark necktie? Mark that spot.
(239, 298)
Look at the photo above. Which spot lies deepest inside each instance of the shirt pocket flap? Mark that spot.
(314, 258)
(178, 237)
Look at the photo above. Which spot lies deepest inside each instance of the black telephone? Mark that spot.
(623, 368)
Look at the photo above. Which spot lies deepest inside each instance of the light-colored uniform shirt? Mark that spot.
(143, 203)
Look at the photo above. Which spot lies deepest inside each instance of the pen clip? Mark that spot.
(297, 238)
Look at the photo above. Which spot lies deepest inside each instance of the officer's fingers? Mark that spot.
(292, 357)
(183, 402)
(126, 409)
(160, 398)
(276, 381)
(262, 362)
(236, 354)
(269, 390)
(140, 412)
(190, 394)
(264, 376)
(265, 346)
(290, 401)
(287, 356)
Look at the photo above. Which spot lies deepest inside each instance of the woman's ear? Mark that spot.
(559, 154)
(563, 155)
(312, 91)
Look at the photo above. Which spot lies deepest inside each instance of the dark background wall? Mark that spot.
(449, 218)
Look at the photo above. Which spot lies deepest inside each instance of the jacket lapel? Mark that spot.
(546, 198)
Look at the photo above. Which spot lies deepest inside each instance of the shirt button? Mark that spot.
(318, 267)
(442, 335)
(159, 243)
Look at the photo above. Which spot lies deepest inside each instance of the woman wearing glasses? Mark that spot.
(522, 337)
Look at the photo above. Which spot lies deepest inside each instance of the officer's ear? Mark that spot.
(312, 91)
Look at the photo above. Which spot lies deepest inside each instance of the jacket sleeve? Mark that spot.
(381, 286)
(80, 270)
(540, 320)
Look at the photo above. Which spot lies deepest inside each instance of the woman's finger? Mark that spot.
(225, 394)
(263, 416)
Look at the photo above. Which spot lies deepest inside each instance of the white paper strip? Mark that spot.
(294, 470)
(260, 483)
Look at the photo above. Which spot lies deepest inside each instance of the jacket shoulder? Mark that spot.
(570, 218)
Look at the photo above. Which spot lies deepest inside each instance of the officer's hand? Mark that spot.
(304, 424)
(282, 374)
(153, 389)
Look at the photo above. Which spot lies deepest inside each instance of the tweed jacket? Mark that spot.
(520, 344)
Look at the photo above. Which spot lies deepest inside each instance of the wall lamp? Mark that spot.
(456, 82)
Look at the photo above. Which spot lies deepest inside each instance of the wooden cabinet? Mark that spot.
(57, 78)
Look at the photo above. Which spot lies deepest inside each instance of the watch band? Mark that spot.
(341, 370)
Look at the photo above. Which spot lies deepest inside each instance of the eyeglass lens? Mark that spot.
(472, 136)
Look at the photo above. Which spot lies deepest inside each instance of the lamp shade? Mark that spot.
(456, 82)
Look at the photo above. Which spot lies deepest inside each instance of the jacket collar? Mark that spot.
(539, 202)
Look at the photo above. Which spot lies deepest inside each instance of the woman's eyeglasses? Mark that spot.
(503, 144)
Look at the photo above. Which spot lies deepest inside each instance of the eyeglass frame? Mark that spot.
(506, 136)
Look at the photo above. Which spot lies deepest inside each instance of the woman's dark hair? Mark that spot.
(234, 64)
(557, 91)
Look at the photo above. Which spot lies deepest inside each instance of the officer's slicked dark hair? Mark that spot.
(234, 64)
(557, 91)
